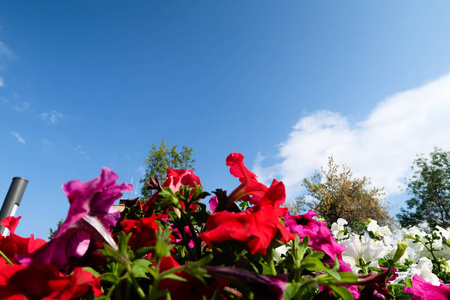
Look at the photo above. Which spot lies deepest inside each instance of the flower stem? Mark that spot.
(135, 283)
(6, 258)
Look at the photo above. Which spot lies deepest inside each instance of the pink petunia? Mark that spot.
(90, 216)
(423, 290)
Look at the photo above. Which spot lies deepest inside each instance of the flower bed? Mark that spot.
(245, 246)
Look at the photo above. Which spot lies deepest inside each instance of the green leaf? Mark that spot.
(141, 252)
(348, 277)
(311, 263)
(291, 290)
(92, 271)
(174, 277)
(140, 268)
(342, 291)
(110, 277)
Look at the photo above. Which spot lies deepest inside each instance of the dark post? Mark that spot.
(12, 199)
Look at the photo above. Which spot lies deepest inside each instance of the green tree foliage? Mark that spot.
(338, 195)
(53, 232)
(160, 158)
(430, 190)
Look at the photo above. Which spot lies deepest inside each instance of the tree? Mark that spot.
(338, 195)
(160, 159)
(430, 190)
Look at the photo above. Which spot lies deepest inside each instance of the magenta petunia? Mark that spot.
(90, 216)
(422, 290)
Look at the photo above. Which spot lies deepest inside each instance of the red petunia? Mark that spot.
(257, 226)
(176, 178)
(249, 185)
(22, 282)
(143, 231)
(13, 244)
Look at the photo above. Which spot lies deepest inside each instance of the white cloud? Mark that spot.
(22, 106)
(2, 81)
(382, 147)
(140, 170)
(52, 117)
(18, 137)
(80, 150)
(5, 51)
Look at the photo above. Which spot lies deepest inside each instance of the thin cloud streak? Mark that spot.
(382, 147)
(52, 117)
(18, 137)
(5, 51)
(21, 107)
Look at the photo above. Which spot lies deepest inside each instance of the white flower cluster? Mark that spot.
(363, 251)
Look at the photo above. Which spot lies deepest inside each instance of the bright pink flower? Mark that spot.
(257, 226)
(423, 290)
(249, 185)
(13, 244)
(320, 239)
(90, 215)
(21, 282)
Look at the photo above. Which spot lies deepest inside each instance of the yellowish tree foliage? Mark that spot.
(337, 194)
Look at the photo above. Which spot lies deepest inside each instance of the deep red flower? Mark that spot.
(191, 289)
(257, 226)
(249, 185)
(143, 231)
(176, 178)
(13, 244)
(22, 282)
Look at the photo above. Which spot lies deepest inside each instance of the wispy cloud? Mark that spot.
(80, 150)
(18, 137)
(6, 52)
(140, 170)
(383, 146)
(47, 145)
(23, 106)
(2, 81)
(52, 117)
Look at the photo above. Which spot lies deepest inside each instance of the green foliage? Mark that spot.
(53, 232)
(338, 195)
(160, 158)
(430, 190)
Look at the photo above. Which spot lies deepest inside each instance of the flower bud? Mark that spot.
(401, 248)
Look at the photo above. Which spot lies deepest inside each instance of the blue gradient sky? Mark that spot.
(86, 84)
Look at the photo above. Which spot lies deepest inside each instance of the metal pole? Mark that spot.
(12, 200)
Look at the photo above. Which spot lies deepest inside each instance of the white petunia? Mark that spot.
(338, 229)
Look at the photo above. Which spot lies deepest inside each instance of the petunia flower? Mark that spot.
(175, 179)
(13, 244)
(90, 216)
(143, 231)
(257, 226)
(423, 290)
(338, 229)
(365, 248)
(46, 282)
(320, 237)
(249, 185)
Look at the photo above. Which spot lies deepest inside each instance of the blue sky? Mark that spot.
(86, 84)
